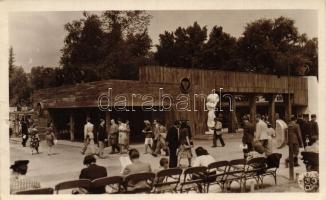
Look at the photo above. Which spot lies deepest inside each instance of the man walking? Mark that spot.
(217, 133)
(101, 137)
(24, 130)
(172, 140)
(148, 131)
(294, 138)
(248, 136)
(305, 135)
(261, 133)
(88, 136)
(114, 134)
(314, 130)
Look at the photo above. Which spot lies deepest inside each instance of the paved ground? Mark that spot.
(67, 162)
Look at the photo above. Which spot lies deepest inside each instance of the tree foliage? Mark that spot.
(276, 47)
(112, 45)
(266, 46)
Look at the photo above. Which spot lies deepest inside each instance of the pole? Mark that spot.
(291, 164)
(289, 111)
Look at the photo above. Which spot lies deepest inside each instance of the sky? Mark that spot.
(37, 37)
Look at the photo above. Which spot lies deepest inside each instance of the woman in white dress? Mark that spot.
(122, 135)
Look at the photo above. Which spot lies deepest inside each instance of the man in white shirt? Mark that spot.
(261, 133)
(88, 134)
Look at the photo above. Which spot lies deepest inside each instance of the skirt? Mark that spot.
(122, 138)
(184, 152)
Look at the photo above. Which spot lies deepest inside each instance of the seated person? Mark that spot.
(18, 180)
(203, 158)
(164, 163)
(91, 172)
(135, 167)
(313, 148)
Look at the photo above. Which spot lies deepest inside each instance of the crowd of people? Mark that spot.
(175, 142)
(299, 132)
(29, 132)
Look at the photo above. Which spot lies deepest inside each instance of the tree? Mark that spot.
(110, 46)
(11, 61)
(83, 44)
(275, 47)
(220, 51)
(183, 47)
(165, 54)
(19, 88)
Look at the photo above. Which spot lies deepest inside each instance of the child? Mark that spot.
(164, 163)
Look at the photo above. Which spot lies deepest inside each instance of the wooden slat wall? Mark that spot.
(238, 82)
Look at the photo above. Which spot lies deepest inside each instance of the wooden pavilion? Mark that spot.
(68, 106)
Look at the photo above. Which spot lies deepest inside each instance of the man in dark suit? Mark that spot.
(24, 130)
(172, 140)
(101, 137)
(248, 136)
(92, 172)
(294, 137)
(304, 127)
(313, 129)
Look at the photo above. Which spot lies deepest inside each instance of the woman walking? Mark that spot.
(50, 139)
(185, 146)
(122, 135)
(35, 140)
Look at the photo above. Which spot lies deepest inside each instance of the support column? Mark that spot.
(271, 109)
(72, 127)
(232, 116)
(288, 107)
(252, 107)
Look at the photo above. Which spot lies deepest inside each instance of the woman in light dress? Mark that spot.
(50, 138)
(123, 130)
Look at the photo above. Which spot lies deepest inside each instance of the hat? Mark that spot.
(147, 122)
(19, 163)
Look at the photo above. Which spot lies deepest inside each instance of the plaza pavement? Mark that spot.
(68, 161)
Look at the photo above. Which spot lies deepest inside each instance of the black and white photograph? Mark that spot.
(163, 101)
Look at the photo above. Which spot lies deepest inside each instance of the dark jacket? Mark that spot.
(294, 134)
(313, 128)
(24, 127)
(248, 133)
(101, 133)
(172, 138)
(93, 172)
(184, 132)
(304, 127)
